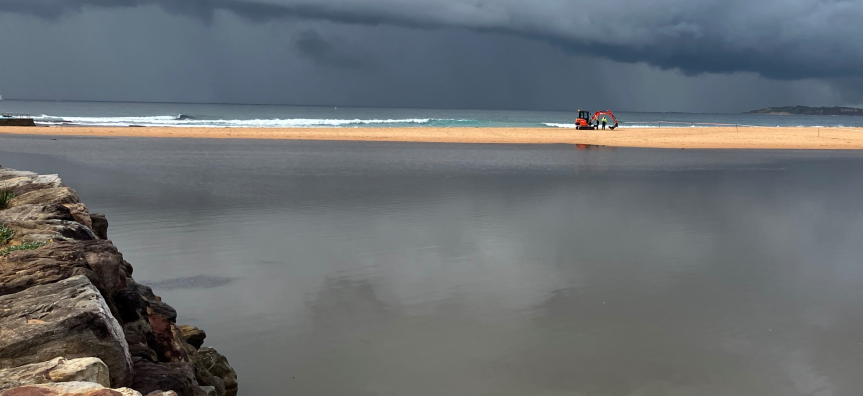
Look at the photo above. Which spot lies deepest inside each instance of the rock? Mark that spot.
(206, 378)
(84, 369)
(156, 305)
(6, 174)
(100, 225)
(80, 214)
(149, 324)
(27, 268)
(17, 122)
(51, 230)
(210, 391)
(132, 308)
(35, 213)
(139, 337)
(177, 377)
(68, 389)
(193, 335)
(75, 298)
(127, 269)
(24, 184)
(36, 222)
(217, 365)
(48, 180)
(47, 196)
(167, 340)
(67, 318)
(11, 180)
(98, 260)
(56, 370)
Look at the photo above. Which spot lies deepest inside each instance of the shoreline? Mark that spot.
(832, 138)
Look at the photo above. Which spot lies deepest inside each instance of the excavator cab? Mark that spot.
(583, 120)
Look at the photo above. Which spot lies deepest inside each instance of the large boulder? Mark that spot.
(132, 309)
(98, 260)
(80, 213)
(100, 225)
(39, 223)
(167, 340)
(68, 389)
(193, 335)
(68, 318)
(47, 196)
(177, 377)
(7, 174)
(51, 230)
(205, 378)
(150, 325)
(21, 185)
(156, 306)
(217, 365)
(35, 213)
(56, 370)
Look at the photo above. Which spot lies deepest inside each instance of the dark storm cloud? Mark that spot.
(312, 45)
(204, 10)
(778, 39)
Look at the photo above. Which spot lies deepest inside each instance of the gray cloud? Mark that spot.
(311, 44)
(777, 39)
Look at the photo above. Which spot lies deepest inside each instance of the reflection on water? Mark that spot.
(330, 268)
(190, 282)
(583, 147)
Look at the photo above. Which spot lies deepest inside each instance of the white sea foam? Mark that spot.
(185, 121)
(572, 126)
(653, 126)
(556, 125)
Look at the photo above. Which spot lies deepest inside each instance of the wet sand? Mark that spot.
(705, 138)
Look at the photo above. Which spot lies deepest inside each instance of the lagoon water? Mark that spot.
(358, 268)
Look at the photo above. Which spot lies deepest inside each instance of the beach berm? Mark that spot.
(687, 137)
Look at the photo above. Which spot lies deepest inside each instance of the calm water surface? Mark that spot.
(339, 268)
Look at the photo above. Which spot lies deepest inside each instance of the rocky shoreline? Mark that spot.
(73, 321)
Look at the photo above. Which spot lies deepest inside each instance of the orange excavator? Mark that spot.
(586, 121)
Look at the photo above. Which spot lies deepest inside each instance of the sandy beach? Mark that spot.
(692, 138)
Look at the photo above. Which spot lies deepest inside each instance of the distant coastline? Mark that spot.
(807, 110)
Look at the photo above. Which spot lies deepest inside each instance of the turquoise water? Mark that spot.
(225, 115)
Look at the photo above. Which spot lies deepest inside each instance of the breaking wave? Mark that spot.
(556, 125)
(645, 125)
(183, 120)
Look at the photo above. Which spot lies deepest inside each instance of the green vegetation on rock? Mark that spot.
(5, 197)
(6, 234)
(24, 246)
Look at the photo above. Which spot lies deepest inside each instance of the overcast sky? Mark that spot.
(648, 55)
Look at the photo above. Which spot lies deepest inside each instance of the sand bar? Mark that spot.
(711, 137)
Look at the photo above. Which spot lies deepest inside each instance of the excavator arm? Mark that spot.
(604, 113)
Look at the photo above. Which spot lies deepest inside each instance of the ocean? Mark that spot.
(390, 269)
(271, 116)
